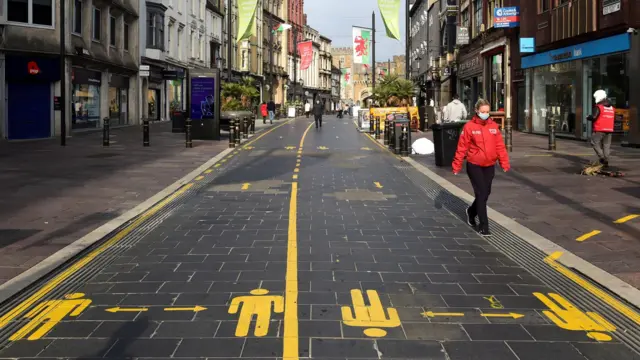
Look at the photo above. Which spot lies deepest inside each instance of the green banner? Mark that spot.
(246, 18)
(390, 12)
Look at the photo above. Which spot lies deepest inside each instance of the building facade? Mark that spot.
(342, 59)
(311, 75)
(571, 62)
(213, 32)
(324, 71)
(102, 58)
(296, 18)
(274, 48)
(335, 87)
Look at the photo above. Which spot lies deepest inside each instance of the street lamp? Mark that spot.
(219, 62)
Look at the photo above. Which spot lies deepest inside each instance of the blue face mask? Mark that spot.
(483, 116)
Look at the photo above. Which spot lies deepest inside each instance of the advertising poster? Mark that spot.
(390, 12)
(306, 54)
(203, 97)
(361, 45)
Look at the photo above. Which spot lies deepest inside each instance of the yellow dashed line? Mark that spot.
(626, 218)
(209, 171)
(199, 178)
(588, 235)
(295, 176)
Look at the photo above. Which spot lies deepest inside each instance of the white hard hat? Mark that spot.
(599, 95)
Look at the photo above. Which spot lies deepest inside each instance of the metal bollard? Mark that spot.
(372, 125)
(245, 133)
(241, 129)
(552, 136)
(145, 132)
(105, 131)
(396, 138)
(378, 127)
(252, 131)
(404, 141)
(238, 135)
(187, 127)
(385, 134)
(232, 133)
(509, 132)
(392, 139)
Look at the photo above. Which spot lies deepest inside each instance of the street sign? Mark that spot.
(144, 68)
(527, 45)
(462, 36)
(610, 6)
(506, 17)
(144, 73)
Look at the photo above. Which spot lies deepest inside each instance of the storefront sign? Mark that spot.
(610, 6)
(83, 76)
(118, 81)
(462, 36)
(172, 74)
(612, 44)
(506, 17)
(32, 68)
(470, 66)
(527, 45)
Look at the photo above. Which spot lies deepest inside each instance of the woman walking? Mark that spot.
(482, 145)
(264, 112)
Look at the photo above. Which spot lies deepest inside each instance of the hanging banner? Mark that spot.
(346, 76)
(306, 54)
(247, 16)
(390, 12)
(361, 45)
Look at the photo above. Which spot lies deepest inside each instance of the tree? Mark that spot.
(394, 91)
(239, 96)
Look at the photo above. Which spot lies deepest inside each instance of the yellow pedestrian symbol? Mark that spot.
(568, 317)
(48, 314)
(258, 305)
(372, 316)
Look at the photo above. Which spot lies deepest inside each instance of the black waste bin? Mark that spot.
(178, 121)
(202, 129)
(445, 139)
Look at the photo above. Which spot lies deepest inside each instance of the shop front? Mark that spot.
(560, 84)
(470, 79)
(118, 100)
(85, 95)
(174, 78)
(155, 94)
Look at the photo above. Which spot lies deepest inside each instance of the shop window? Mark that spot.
(543, 5)
(554, 97)
(497, 83)
(561, 2)
(32, 12)
(97, 24)
(77, 16)
(125, 36)
(155, 31)
(477, 8)
(86, 104)
(464, 18)
(112, 31)
(608, 73)
(174, 89)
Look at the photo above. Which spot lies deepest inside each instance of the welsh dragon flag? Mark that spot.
(282, 27)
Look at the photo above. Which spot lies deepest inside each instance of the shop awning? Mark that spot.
(493, 46)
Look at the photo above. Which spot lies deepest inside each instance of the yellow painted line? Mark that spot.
(588, 235)
(378, 185)
(508, 315)
(217, 165)
(626, 218)
(295, 176)
(196, 308)
(119, 309)
(81, 263)
(432, 314)
(299, 156)
(246, 186)
(267, 132)
(551, 260)
(209, 171)
(223, 160)
(199, 178)
(296, 170)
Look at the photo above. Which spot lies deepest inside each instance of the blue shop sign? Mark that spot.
(506, 17)
(527, 45)
(589, 49)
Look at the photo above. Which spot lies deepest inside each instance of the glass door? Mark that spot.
(587, 97)
(522, 107)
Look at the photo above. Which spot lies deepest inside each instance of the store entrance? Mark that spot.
(153, 100)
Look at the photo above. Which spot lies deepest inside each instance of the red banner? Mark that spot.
(306, 54)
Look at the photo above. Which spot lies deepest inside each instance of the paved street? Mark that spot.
(593, 217)
(315, 243)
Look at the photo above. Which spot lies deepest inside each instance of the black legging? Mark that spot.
(318, 120)
(481, 178)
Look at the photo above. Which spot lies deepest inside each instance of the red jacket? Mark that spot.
(263, 110)
(482, 144)
(606, 118)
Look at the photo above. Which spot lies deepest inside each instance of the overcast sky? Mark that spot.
(334, 18)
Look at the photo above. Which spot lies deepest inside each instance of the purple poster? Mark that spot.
(202, 97)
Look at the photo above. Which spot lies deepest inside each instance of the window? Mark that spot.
(77, 17)
(477, 8)
(112, 31)
(543, 5)
(169, 43)
(561, 2)
(125, 36)
(155, 31)
(464, 18)
(180, 41)
(32, 12)
(97, 23)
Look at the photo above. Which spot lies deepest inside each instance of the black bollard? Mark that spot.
(396, 138)
(552, 136)
(245, 130)
(253, 125)
(392, 126)
(385, 134)
(145, 132)
(372, 125)
(105, 131)
(241, 129)
(238, 135)
(378, 127)
(232, 133)
(404, 141)
(187, 127)
(508, 139)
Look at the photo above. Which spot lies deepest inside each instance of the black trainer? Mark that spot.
(470, 220)
(484, 232)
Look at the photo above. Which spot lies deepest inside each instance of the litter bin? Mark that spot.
(202, 129)
(445, 139)
(178, 119)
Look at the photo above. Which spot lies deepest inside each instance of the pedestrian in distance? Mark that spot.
(603, 117)
(307, 109)
(263, 112)
(271, 108)
(318, 109)
(482, 145)
(455, 110)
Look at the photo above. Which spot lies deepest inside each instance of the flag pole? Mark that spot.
(373, 50)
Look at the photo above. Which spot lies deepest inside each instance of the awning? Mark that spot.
(493, 46)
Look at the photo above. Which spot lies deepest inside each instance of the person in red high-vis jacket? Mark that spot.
(482, 145)
(603, 116)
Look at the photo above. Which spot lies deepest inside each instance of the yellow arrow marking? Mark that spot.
(119, 309)
(378, 185)
(246, 186)
(323, 148)
(588, 235)
(626, 218)
(290, 147)
(432, 314)
(509, 315)
(196, 308)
